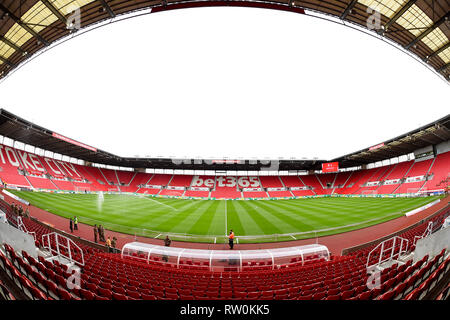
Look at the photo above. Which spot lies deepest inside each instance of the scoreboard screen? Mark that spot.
(330, 167)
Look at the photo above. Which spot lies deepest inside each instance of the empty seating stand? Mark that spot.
(109, 175)
(271, 182)
(180, 181)
(439, 173)
(291, 181)
(280, 194)
(226, 193)
(108, 276)
(64, 185)
(196, 193)
(42, 183)
(254, 194)
(24, 169)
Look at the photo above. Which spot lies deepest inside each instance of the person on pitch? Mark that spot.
(231, 239)
(167, 243)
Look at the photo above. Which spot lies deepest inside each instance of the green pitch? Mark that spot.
(210, 220)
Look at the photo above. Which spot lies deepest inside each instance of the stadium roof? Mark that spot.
(421, 27)
(431, 134)
(19, 129)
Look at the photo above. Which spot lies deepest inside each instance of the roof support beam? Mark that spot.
(399, 13)
(23, 25)
(439, 136)
(384, 154)
(441, 49)
(54, 11)
(11, 44)
(348, 9)
(372, 158)
(427, 141)
(107, 8)
(430, 29)
(412, 141)
(398, 148)
(7, 62)
(445, 66)
(48, 144)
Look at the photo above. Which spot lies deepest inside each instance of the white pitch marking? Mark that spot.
(226, 223)
(161, 203)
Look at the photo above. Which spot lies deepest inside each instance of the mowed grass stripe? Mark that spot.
(383, 209)
(217, 226)
(308, 217)
(201, 221)
(248, 224)
(332, 215)
(260, 219)
(133, 210)
(160, 216)
(390, 206)
(234, 220)
(295, 221)
(176, 218)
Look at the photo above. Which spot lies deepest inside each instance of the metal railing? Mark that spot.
(21, 226)
(426, 233)
(388, 250)
(60, 245)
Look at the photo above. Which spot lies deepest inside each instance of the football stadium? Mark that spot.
(81, 223)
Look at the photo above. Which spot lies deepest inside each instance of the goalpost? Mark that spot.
(113, 190)
(412, 192)
(369, 192)
(82, 189)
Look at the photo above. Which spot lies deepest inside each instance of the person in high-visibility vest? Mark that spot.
(231, 239)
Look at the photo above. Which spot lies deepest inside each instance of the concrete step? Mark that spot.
(404, 258)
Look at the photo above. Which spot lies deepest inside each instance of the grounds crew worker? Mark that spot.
(167, 242)
(231, 239)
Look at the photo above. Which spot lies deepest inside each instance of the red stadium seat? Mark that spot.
(334, 297)
(104, 293)
(118, 296)
(87, 295)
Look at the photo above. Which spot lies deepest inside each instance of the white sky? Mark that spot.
(226, 82)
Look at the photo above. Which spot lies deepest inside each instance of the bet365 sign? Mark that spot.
(241, 182)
